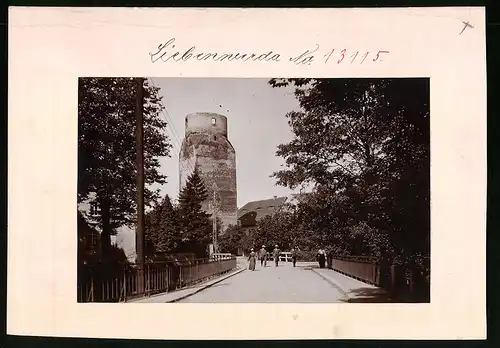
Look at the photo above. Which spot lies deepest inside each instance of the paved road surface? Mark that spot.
(284, 284)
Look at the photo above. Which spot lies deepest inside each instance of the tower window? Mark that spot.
(213, 121)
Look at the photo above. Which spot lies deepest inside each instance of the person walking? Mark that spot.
(252, 259)
(263, 256)
(321, 258)
(276, 255)
(294, 256)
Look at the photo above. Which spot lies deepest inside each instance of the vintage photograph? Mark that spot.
(250, 190)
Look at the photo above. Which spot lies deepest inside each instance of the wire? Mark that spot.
(174, 135)
(170, 126)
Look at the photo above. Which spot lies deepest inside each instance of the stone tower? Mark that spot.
(206, 147)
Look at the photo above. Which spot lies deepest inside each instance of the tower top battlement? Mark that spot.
(206, 122)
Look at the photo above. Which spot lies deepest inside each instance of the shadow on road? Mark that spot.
(368, 295)
(220, 284)
(309, 267)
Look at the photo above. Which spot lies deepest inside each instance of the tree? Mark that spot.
(275, 229)
(107, 150)
(364, 145)
(339, 135)
(88, 250)
(195, 224)
(161, 229)
(232, 240)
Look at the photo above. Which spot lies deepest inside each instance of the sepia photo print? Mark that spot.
(249, 190)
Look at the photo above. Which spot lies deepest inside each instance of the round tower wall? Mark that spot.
(206, 122)
(206, 146)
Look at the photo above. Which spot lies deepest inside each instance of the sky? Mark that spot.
(256, 126)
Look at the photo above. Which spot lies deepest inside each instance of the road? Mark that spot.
(283, 284)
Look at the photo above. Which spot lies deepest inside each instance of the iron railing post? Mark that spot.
(156, 277)
(124, 287)
(91, 289)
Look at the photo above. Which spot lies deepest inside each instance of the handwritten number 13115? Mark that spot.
(353, 56)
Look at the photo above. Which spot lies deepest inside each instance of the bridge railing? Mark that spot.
(124, 282)
(404, 283)
(362, 268)
(285, 256)
(221, 256)
(191, 274)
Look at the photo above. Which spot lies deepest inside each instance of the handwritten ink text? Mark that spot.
(354, 57)
(306, 57)
(166, 52)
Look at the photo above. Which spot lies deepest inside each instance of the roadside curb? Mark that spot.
(334, 284)
(208, 285)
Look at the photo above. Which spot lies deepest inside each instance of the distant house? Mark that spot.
(252, 212)
(88, 240)
(124, 239)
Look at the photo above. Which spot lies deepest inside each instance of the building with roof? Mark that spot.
(252, 212)
(89, 247)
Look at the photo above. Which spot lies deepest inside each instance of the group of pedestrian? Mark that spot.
(262, 256)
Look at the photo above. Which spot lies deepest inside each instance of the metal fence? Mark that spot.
(221, 256)
(284, 256)
(362, 268)
(122, 283)
(404, 283)
(194, 273)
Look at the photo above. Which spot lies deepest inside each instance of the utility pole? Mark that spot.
(214, 219)
(139, 234)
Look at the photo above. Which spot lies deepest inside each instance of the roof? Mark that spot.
(262, 208)
(254, 211)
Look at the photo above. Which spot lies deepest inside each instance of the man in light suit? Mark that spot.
(276, 255)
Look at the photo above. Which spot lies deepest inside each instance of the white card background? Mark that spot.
(50, 48)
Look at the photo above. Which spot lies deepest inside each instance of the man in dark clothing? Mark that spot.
(276, 255)
(294, 256)
(321, 257)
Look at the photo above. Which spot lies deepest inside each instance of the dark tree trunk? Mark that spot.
(106, 232)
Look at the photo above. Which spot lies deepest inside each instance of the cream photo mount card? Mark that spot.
(249, 126)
